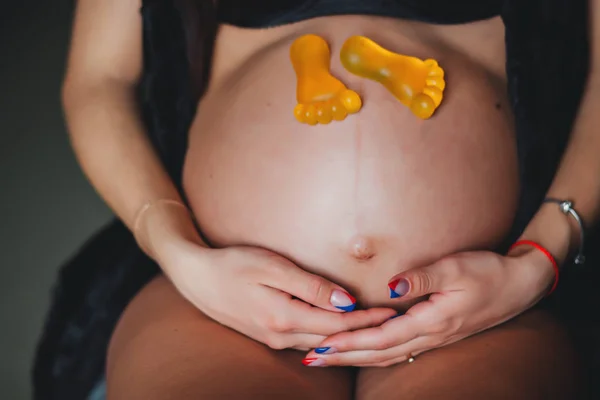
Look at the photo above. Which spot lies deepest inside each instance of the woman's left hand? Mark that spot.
(469, 293)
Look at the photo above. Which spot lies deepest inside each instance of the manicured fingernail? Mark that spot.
(342, 300)
(396, 316)
(398, 288)
(313, 362)
(325, 350)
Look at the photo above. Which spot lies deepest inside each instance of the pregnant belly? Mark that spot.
(360, 200)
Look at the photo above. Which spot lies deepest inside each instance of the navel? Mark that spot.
(361, 248)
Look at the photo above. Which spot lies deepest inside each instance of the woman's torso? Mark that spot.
(360, 200)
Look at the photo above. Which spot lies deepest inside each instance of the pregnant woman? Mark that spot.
(375, 246)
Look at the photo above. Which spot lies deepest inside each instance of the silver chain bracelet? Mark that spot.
(566, 207)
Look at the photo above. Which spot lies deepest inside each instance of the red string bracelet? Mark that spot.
(546, 253)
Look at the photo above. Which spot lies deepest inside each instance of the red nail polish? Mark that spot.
(398, 288)
(352, 298)
(314, 362)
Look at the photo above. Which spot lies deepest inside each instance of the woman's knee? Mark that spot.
(144, 359)
(529, 358)
(165, 348)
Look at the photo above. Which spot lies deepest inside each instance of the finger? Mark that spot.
(410, 357)
(424, 280)
(311, 288)
(296, 341)
(384, 357)
(300, 348)
(296, 316)
(384, 364)
(305, 340)
(392, 333)
(303, 318)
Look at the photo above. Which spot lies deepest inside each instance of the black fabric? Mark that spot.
(167, 92)
(547, 61)
(547, 65)
(93, 289)
(268, 13)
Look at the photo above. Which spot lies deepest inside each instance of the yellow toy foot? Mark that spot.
(416, 83)
(321, 97)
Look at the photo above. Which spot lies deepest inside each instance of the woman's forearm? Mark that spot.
(577, 179)
(578, 175)
(114, 151)
(104, 67)
(110, 144)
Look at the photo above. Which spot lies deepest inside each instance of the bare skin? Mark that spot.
(363, 168)
(511, 361)
(360, 200)
(164, 348)
(196, 357)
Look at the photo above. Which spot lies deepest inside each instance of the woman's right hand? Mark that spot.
(265, 296)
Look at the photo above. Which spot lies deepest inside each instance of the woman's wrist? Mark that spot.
(163, 226)
(553, 230)
(539, 269)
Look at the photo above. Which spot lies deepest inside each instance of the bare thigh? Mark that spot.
(528, 358)
(165, 348)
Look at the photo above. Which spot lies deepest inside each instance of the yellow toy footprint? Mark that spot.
(321, 97)
(416, 83)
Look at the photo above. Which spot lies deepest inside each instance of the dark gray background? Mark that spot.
(47, 207)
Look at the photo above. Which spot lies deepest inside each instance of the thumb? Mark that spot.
(416, 282)
(312, 289)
